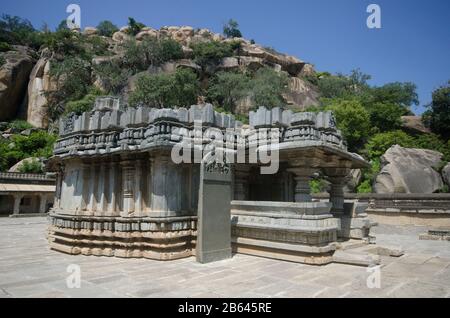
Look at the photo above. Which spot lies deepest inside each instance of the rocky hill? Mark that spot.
(26, 76)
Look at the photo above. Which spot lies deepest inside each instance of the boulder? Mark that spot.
(301, 93)
(352, 181)
(407, 170)
(120, 37)
(16, 167)
(414, 124)
(446, 174)
(14, 75)
(90, 31)
(229, 63)
(148, 33)
(40, 83)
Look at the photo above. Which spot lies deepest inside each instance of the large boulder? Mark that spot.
(40, 84)
(301, 93)
(414, 124)
(14, 75)
(17, 166)
(446, 174)
(407, 170)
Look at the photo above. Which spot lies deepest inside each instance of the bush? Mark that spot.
(212, 52)
(106, 28)
(231, 29)
(19, 125)
(378, 144)
(83, 105)
(73, 76)
(113, 78)
(166, 90)
(134, 27)
(97, 46)
(318, 185)
(31, 166)
(227, 88)
(385, 117)
(267, 87)
(352, 119)
(369, 176)
(5, 47)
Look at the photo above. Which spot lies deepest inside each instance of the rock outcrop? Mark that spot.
(414, 124)
(17, 166)
(40, 83)
(14, 75)
(407, 170)
(446, 174)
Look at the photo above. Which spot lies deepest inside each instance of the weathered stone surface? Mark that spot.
(14, 75)
(414, 124)
(353, 180)
(148, 33)
(301, 93)
(90, 31)
(39, 85)
(17, 166)
(407, 170)
(446, 174)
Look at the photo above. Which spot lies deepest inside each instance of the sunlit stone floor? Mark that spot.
(29, 269)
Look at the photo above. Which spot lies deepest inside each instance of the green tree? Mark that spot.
(113, 78)
(106, 28)
(211, 53)
(31, 166)
(352, 119)
(385, 116)
(166, 90)
(231, 29)
(402, 94)
(84, 104)
(267, 87)
(134, 26)
(380, 143)
(227, 88)
(437, 117)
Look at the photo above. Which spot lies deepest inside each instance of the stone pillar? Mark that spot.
(137, 187)
(302, 177)
(42, 203)
(337, 178)
(85, 186)
(101, 195)
(128, 179)
(17, 199)
(113, 173)
(92, 188)
(241, 173)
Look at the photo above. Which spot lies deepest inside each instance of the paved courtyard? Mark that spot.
(29, 269)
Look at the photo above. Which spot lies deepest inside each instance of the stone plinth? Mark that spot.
(301, 232)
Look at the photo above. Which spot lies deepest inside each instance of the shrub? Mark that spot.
(231, 29)
(212, 52)
(83, 105)
(385, 117)
(378, 144)
(4, 47)
(31, 166)
(267, 87)
(318, 185)
(166, 90)
(20, 125)
(227, 88)
(134, 27)
(112, 76)
(352, 119)
(106, 28)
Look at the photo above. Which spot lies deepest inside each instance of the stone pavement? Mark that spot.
(29, 269)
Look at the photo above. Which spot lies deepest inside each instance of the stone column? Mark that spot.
(85, 186)
(302, 177)
(137, 187)
(101, 195)
(128, 176)
(42, 203)
(17, 199)
(337, 178)
(113, 172)
(92, 188)
(241, 174)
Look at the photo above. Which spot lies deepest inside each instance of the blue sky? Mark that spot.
(413, 44)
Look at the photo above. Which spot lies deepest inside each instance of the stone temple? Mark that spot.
(120, 193)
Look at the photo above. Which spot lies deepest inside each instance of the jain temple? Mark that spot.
(123, 191)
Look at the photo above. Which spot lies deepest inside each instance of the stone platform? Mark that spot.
(28, 268)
